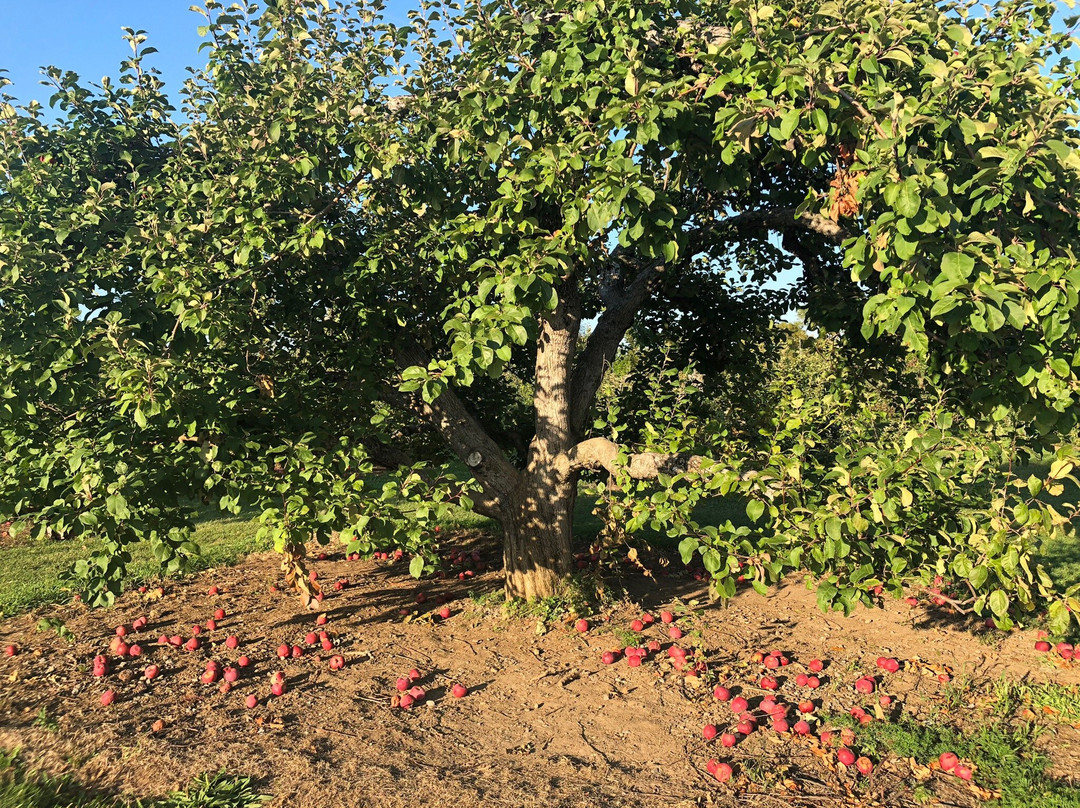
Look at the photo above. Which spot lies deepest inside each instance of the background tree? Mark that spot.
(356, 216)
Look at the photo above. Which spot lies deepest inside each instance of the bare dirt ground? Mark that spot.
(545, 723)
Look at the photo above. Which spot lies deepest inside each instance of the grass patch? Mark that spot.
(20, 788)
(30, 572)
(1004, 757)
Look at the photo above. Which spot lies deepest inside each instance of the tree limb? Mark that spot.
(601, 453)
(463, 433)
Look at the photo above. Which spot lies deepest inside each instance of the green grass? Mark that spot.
(20, 788)
(1004, 756)
(30, 572)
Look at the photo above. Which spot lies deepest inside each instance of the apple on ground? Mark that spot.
(459, 691)
(107, 698)
(845, 756)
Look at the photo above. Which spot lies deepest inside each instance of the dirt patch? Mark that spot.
(545, 723)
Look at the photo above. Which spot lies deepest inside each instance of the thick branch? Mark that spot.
(782, 220)
(464, 435)
(611, 327)
(600, 453)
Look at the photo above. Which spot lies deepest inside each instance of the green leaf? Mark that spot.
(416, 566)
(957, 266)
(754, 509)
(908, 200)
(999, 603)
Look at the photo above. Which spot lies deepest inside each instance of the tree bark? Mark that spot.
(537, 534)
(538, 522)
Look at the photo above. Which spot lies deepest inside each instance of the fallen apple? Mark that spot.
(581, 625)
(963, 772)
(219, 614)
(667, 617)
(243, 662)
(721, 693)
(231, 674)
(739, 705)
(251, 702)
(459, 691)
(845, 756)
(815, 665)
(709, 732)
(107, 698)
(152, 672)
(864, 765)
(948, 761)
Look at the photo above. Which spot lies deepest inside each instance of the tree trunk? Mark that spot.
(537, 533)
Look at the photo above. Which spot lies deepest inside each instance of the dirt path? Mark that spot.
(546, 723)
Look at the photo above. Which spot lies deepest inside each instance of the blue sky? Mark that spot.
(85, 36)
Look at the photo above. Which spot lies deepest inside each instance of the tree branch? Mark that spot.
(600, 453)
(622, 309)
(465, 436)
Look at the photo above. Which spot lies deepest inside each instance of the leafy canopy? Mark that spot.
(221, 301)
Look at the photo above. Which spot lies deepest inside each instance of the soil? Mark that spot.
(545, 722)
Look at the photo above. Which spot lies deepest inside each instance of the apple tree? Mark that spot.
(348, 218)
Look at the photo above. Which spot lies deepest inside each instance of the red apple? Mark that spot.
(219, 614)
(231, 642)
(1065, 649)
(721, 693)
(176, 640)
(311, 638)
(806, 706)
(321, 620)
(885, 701)
(212, 590)
(283, 651)
(709, 732)
(121, 631)
(406, 701)
(134, 650)
(608, 657)
(948, 761)
(225, 688)
(865, 685)
(781, 725)
(963, 772)
(745, 727)
(667, 617)
(581, 625)
(802, 679)
(723, 772)
(152, 672)
(813, 682)
(196, 631)
(891, 665)
(251, 702)
(417, 693)
(211, 625)
(728, 739)
(675, 632)
(444, 613)
(414, 675)
(1042, 645)
(739, 705)
(864, 765)
(459, 691)
(801, 728)
(297, 652)
(815, 665)
(278, 688)
(768, 683)
(243, 662)
(209, 676)
(845, 755)
(772, 663)
(107, 698)
(337, 662)
(231, 674)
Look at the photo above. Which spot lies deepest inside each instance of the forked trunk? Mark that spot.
(536, 538)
